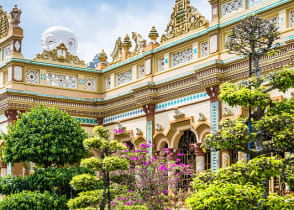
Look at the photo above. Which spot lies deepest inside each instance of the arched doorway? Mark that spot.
(188, 156)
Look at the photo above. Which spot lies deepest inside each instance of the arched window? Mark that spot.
(188, 156)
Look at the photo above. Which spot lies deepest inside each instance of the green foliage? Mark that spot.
(274, 201)
(55, 180)
(93, 162)
(255, 172)
(242, 95)
(28, 200)
(243, 185)
(115, 163)
(86, 199)
(84, 182)
(136, 207)
(282, 80)
(272, 122)
(105, 164)
(225, 196)
(45, 136)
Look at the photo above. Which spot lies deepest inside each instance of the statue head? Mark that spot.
(56, 35)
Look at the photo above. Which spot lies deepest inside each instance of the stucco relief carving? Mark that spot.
(225, 159)
(158, 127)
(139, 132)
(181, 57)
(160, 64)
(291, 18)
(231, 6)
(200, 163)
(60, 80)
(124, 77)
(178, 114)
(227, 112)
(32, 77)
(201, 117)
(90, 84)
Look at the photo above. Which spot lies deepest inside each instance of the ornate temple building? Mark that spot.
(163, 90)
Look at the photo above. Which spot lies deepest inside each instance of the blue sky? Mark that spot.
(97, 23)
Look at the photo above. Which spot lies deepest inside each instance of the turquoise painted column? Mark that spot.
(215, 107)
(149, 110)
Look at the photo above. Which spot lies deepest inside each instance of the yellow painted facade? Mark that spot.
(162, 87)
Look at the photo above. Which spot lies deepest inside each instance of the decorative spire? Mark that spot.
(184, 18)
(15, 16)
(153, 34)
(127, 42)
(102, 57)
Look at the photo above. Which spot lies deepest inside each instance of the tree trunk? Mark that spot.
(256, 66)
(108, 191)
(103, 203)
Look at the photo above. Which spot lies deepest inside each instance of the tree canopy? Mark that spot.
(46, 136)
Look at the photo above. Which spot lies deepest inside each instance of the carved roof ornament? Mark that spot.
(140, 43)
(153, 34)
(184, 18)
(15, 16)
(4, 23)
(117, 51)
(60, 54)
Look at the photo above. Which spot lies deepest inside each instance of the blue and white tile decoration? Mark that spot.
(122, 116)
(86, 120)
(181, 101)
(3, 118)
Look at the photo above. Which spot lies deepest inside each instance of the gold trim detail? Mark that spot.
(184, 18)
(60, 54)
(4, 23)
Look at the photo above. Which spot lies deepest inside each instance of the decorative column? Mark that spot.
(100, 121)
(215, 113)
(16, 169)
(242, 156)
(226, 160)
(200, 157)
(149, 110)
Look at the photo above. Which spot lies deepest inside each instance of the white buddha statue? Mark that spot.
(56, 35)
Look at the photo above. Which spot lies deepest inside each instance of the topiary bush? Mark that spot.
(136, 207)
(45, 136)
(54, 180)
(28, 200)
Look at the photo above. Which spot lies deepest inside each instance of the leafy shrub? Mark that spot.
(225, 196)
(55, 180)
(46, 136)
(28, 200)
(136, 207)
(274, 201)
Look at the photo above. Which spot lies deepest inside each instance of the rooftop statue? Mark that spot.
(56, 35)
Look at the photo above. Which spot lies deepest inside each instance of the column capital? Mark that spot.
(213, 93)
(100, 121)
(197, 149)
(149, 110)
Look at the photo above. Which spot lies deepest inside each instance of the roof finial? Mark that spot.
(153, 34)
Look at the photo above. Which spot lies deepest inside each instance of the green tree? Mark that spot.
(104, 165)
(46, 136)
(253, 37)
